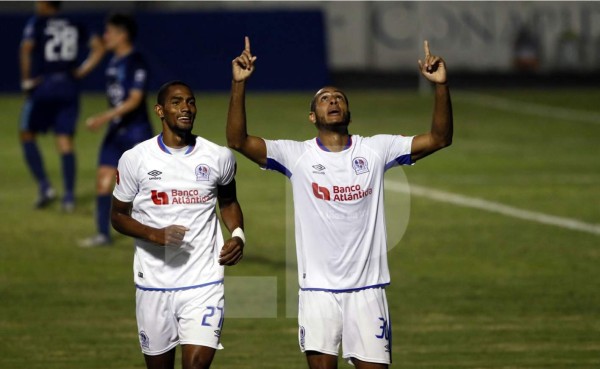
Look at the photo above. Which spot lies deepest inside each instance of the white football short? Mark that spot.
(168, 318)
(359, 320)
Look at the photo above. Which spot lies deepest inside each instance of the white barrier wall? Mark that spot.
(470, 35)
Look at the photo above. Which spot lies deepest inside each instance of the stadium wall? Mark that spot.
(473, 35)
(360, 43)
(198, 47)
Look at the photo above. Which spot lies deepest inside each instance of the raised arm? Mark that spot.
(94, 57)
(122, 222)
(231, 214)
(433, 68)
(252, 147)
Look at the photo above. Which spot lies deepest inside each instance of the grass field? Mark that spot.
(470, 288)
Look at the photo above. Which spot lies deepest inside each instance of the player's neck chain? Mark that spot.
(166, 149)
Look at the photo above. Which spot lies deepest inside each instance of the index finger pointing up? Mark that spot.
(426, 47)
(247, 41)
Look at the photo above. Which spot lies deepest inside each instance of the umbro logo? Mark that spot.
(154, 174)
(319, 168)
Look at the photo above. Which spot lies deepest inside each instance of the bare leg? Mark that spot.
(359, 364)
(197, 357)
(162, 361)
(318, 360)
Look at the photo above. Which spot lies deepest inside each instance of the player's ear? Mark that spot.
(312, 117)
(158, 109)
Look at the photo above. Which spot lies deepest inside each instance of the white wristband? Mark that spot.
(238, 232)
(27, 84)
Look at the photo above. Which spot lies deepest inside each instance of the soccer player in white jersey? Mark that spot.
(165, 197)
(337, 184)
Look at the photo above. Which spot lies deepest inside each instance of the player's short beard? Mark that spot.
(341, 127)
(180, 131)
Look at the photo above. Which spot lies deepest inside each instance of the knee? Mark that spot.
(64, 144)
(104, 180)
(318, 360)
(198, 357)
(26, 136)
(198, 362)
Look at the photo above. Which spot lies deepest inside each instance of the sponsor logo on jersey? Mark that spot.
(178, 197)
(202, 172)
(159, 198)
(154, 174)
(217, 333)
(144, 340)
(321, 192)
(360, 165)
(340, 193)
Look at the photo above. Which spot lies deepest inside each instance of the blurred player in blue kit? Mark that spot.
(126, 84)
(50, 50)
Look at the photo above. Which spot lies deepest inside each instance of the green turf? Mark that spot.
(470, 289)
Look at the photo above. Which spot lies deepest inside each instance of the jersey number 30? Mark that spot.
(62, 44)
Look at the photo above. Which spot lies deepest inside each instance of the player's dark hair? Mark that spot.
(313, 102)
(55, 4)
(162, 91)
(125, 22)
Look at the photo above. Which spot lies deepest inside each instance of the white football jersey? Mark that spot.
(169, 189)
(338, 206)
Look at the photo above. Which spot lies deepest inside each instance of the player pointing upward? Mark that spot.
(337, 183)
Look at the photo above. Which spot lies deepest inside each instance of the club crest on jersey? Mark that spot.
(302, 334)
(202, 172)
(144, 340)
(360, 165)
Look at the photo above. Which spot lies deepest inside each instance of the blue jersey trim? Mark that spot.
(324, 148)
(400, 160)
(164, 147)
(177, 288)
(273, 164)
(346, 290)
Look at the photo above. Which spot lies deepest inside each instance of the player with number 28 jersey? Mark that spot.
(51, 48)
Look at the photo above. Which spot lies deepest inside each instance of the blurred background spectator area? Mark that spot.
(373, 44)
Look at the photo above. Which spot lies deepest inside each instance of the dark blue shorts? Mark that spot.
(120, 139)
(53, 105)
